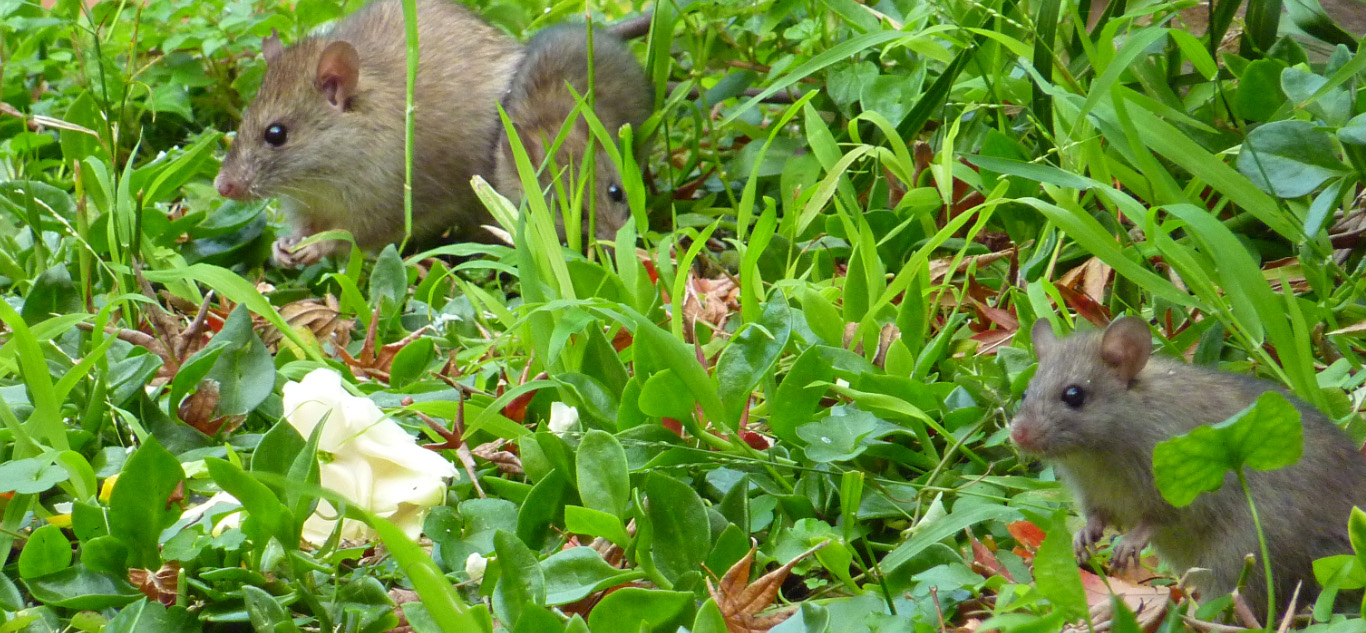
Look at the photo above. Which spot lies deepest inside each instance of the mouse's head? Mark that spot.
(1080, 397)
(287, 142)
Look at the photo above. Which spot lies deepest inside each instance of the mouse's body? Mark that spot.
(325, 133)
(1098, 405)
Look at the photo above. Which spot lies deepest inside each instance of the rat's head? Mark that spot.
(1080, 397)
(605, 191)
(289, 137)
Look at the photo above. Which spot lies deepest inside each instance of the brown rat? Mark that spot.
(1097, 406)
(326, 131)
(539, 102)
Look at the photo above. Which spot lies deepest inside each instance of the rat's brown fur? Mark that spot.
(342, 166)
(540, 101)
(1103, 451)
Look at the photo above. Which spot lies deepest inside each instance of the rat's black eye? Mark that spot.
(1074, 396)
(615, 193)
(276, 135)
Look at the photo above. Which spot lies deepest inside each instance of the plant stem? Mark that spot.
(1266, 555)
(409, 124)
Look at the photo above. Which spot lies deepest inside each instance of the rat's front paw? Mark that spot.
(1084, 543)
(286, 254)
(1126, 555)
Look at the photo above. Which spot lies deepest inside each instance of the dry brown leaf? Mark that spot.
(322, 317)
(160, 585)
(373, 364)
(741, 602)
(200, 410)
(709, 301)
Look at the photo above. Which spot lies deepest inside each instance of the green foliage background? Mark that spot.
(895, 187)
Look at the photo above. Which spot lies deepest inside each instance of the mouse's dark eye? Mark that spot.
(615, 193)
(1074, 396)
(276, 135)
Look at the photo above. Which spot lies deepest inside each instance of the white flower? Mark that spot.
(225, 522)
(475, 566)
(562, 417)
(373, 461)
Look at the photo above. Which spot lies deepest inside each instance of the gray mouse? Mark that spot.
(325, 133)
(1100, 402)
(539, 102)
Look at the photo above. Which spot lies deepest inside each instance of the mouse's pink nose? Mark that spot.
(1020, 434)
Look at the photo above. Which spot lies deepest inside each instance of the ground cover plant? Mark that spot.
(778, 401)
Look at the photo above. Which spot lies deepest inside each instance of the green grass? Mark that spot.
(903, 186)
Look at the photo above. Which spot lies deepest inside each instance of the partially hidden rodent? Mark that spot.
(540, 101)
(325, 133)
(1097, 406)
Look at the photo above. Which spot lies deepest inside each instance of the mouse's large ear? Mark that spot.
(338, 73)
(1126, 346)
(1041, 335)
(272, 48)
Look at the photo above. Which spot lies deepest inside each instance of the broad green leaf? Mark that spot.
(1265, 436)
(665, 396)
(261, 504)
(682, 532)
(1356, 532)
(1055, 573)
(79, 588)
(751, 355)
(1289, 158)
(581, 520)
(602, 474)
(245, 370)
(149, 616)
(521, 584)
(139, 506)
(410, 363)
(544, 506)
(575, 573)
(636, 610)
(388, 279)
(266, 613)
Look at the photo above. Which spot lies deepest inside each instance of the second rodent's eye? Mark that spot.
(615, 193)
(276, 135)
(1074, 396)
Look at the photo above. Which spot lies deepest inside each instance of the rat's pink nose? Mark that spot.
(1019, 433)
(229, 188)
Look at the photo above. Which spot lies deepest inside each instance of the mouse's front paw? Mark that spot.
(287, 254)
(1084, 543)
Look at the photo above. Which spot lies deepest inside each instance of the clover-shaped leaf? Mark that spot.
(1265, 436)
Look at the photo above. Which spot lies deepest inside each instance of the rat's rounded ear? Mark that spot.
(338, 73)
(1126, 346)
(271, 47)
(1041, 335)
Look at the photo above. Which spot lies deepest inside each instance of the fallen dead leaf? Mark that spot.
(741, 601)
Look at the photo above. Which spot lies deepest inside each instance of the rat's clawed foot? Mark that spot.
(1127, 554)
(286, 254)
(1084, 543)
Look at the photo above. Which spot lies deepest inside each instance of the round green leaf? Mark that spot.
(1264, 436)
(46, 552)
(838, 437)
(1289, 158)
